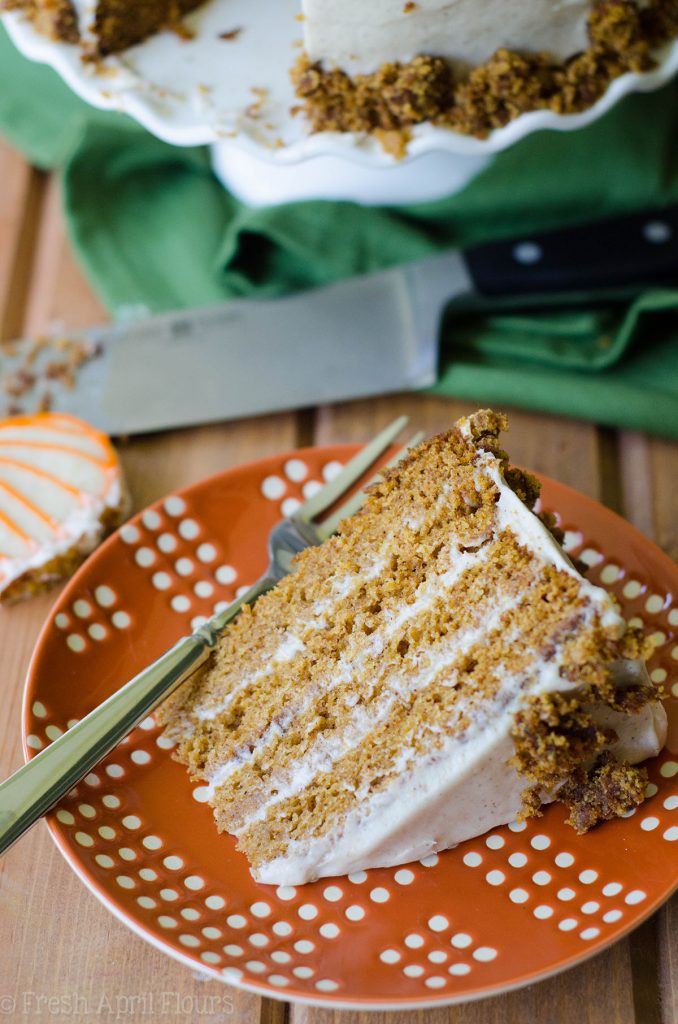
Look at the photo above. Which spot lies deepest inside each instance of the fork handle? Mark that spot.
(32, 790)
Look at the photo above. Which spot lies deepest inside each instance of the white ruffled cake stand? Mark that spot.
(235, 95)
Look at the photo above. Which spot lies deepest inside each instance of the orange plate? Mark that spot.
(497, 912)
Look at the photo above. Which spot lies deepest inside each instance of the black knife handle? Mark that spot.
(635, 249)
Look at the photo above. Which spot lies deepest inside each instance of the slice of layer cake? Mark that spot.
(103, 26)
(434, 670)
(61, 492)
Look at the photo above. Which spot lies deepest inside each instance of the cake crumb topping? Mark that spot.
(622, 37)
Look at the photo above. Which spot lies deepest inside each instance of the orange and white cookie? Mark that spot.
(61, 491)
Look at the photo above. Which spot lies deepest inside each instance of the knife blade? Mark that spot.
(360, 337)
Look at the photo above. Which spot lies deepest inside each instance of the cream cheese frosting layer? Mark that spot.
(58, 480)
(360, 37)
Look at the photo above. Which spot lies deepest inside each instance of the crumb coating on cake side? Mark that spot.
(623, 36)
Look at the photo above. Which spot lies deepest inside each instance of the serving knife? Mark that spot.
(363, 336)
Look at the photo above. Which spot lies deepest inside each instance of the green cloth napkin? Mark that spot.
(153, 228)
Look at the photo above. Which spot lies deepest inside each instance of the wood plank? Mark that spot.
(20, 204)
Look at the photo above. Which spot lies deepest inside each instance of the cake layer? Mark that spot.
(433, 670)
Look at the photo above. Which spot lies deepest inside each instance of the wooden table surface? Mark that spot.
(62, 955)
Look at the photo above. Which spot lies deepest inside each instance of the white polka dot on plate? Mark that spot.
(332, 893)
(404, 877)
(121, 620)
(307, 911)
(541, 878)
(206, 552)
(290, 506)
(459, 969)
(461, 940)
(413, 971)
(82, 608)
(215, 902)
(331, 470)
(414, 941)
(517, 860)
(566, 894)
(167, 542)
(225, 574)
(589, 933)
(286, 892)
(671, 834)
(105, 596)
(357, 877)
(591, 907)
(517, 826)
(355, 912)
(329, 931)
(540, 842)
(296, 470)
(304, 946)
(567, 924)
(180, 603)
(430, 861)
(379, 895)
(129, 533)
(260, 909)
(472, 860)
(438, 923)
(494, 842)
(543, 912)
(273, 488)
(75, 643)
(144, 557)
(612, 889)
(484, 953)
(668, 769)
(174, 505)
(390, 956)
(632, 589)
(495, 877)
(150, 519)
(635, 896)
(188, 529)
(326, 985)
(519, 896)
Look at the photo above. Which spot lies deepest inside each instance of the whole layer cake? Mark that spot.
(436, 669)
(388, 65)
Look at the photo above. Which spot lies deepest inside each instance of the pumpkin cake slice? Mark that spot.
(434, 670)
